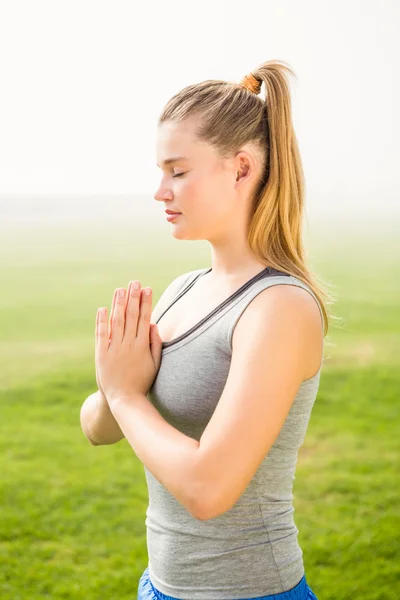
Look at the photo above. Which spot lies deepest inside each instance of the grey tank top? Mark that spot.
(252, 549)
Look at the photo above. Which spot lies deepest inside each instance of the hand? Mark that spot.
(110, 329)
(128, 353)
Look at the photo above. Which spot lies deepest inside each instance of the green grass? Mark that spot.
(72, 515)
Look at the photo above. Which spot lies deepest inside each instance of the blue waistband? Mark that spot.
(301, 591)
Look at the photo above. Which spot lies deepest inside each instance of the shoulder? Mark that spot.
(276, 346)
(172, 290)
(285, 319)
(180, 281)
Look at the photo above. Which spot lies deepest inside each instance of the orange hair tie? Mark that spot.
(251, 83)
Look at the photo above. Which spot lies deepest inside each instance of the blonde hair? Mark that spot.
(232, 115)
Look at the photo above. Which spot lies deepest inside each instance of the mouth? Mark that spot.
(173, 216)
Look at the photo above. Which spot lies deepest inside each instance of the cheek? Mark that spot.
(206, 197)
(193, 194)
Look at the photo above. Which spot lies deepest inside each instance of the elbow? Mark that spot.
(202, 512)
(201, 515)
(198, 512)
(93, 442)
(209, 503)
(90, 440)
(203, 503)
(201, 506)
(84, 425)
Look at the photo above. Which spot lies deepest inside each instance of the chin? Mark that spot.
(180, 233)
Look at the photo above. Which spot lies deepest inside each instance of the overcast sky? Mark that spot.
(83, 83)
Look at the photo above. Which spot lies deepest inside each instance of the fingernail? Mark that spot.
(147, 291)
(122, 293)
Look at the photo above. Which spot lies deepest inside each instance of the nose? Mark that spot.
(163, 194)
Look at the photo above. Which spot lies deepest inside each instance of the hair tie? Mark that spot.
(251, 83)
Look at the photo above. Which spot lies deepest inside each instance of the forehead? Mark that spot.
(170, 133)
(179, 141)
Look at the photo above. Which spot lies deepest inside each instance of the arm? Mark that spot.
(97, 421)
(170, 455)
(277, 344)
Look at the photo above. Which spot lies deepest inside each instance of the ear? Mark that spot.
(245, 165)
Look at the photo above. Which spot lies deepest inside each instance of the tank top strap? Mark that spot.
(188, 279)
(274, 278)
(174, 291)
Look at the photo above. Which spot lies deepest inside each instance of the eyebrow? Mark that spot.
(172, 160)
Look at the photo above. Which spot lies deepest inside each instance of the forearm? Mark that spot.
(98, 422)
(170, 455)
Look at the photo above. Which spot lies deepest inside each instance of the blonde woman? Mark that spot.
(214, 388)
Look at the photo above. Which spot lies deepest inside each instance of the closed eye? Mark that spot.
(178, 174)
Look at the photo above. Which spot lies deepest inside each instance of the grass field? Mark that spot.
(72, 515)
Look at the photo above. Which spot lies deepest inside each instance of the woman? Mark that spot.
(215, 395)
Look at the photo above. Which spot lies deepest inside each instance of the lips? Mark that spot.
(172, 212)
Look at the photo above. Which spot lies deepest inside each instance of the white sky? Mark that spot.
(83, 81)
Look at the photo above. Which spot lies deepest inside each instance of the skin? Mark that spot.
(280, 328)
(213, 198)
(191, 187)
(128, 351)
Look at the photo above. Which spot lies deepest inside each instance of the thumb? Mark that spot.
(155, 345)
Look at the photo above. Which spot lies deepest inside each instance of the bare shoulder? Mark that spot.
(282, 316)
(170, 292)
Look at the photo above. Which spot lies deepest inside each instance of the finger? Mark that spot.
(132, 311)
(145, 315)
(111, 315)
(118, 320)
(101, 331)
